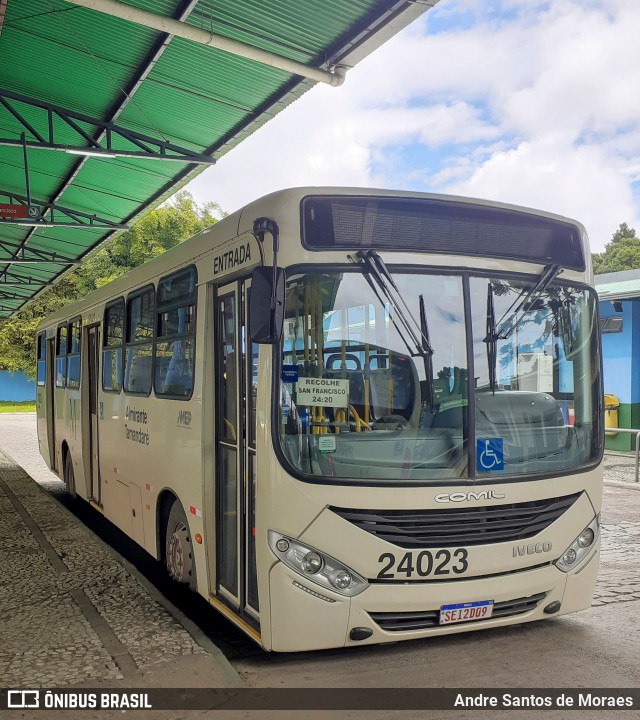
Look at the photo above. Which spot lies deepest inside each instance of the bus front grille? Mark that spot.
(460, 526)
(425, 619)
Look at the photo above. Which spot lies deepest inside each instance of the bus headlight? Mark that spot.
(586, 537)
(312, 563)
(580, 546)
(316, 566)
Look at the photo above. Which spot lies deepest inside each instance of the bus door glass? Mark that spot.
(235, 388)
(50, 400)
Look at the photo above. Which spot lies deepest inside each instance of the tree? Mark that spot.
(622, 233)
(18, 334)
(622, 252)
(159, 230)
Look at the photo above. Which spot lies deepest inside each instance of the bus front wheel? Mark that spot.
(69, 476)
(178, 549)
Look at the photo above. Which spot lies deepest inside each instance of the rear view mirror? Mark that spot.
(266, 310)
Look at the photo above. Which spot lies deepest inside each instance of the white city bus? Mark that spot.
(345, 416)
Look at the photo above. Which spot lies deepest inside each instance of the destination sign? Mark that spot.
(328, 392)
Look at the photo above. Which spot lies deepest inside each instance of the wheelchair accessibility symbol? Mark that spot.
(489, 455)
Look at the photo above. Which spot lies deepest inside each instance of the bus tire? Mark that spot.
(178, 556)
(69, 476)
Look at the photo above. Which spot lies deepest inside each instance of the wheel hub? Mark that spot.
(179, 560)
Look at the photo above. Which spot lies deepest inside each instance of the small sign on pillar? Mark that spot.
(15, 211)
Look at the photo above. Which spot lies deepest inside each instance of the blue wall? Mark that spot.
(621, 369)
(16, 387)
(621, 365)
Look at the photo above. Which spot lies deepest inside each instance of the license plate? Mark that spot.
(466, 612)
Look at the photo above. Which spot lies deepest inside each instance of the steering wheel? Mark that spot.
(390, 422)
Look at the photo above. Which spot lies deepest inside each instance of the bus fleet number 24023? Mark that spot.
(424, 564)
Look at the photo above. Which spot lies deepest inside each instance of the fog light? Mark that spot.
(342, 580)
(312, 563)
(282, 545)
(586, 538)
(552, 608)
(569, 557)
(360, 633)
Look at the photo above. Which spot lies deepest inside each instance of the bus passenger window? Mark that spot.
(73, 354)
(175, 328)
(112, 348)
(61, 356)
(139, 345)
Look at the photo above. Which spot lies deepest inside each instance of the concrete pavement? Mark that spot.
(72, 613)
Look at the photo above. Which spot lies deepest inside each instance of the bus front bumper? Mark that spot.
(305, 616)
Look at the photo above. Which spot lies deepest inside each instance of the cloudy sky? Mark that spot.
(532, 102)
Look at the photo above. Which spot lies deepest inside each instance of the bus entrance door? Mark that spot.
(235, 454)
(92, 346)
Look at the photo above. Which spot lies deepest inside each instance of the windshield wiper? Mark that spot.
(376, 269)
(371, 271)
(491, 338)
(527, 301)
(564, 321)
(427, 354)
(501, 330)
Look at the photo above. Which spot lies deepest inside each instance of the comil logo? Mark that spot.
(22, 699)
(456, 497)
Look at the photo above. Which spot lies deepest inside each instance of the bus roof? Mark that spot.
(282, 205)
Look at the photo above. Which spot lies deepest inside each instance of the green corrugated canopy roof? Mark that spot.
(65, 69)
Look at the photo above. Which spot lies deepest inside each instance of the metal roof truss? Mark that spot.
(79, 82)
(41, 213)
(98, 144)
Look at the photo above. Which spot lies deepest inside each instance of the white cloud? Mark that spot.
(525, 101)
(538, 174)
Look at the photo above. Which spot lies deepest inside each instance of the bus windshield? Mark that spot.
(360, 398)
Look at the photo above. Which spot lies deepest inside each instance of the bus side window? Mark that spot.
(42, 358)
(61, 356)
(175, 330)
(138, 356)
(112, 347)
(73, 354)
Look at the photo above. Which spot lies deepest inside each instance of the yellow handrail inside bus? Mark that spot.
(232, 430)
(360, 424)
